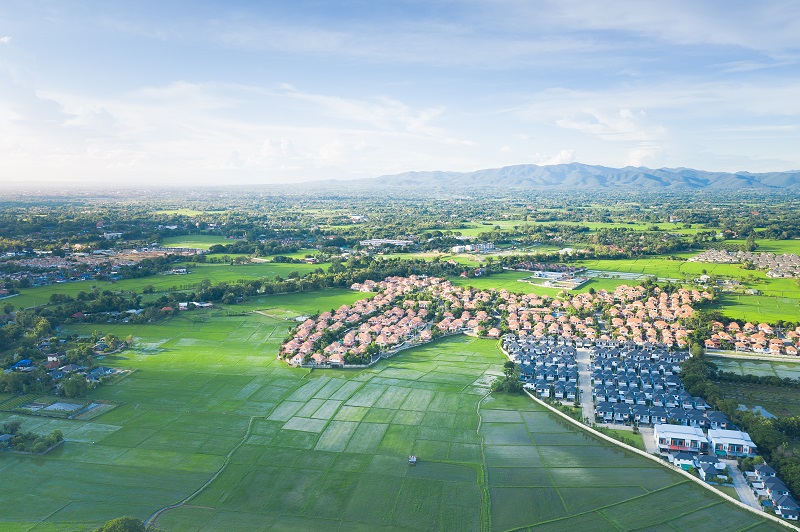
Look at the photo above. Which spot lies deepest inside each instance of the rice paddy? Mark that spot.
(317, 450)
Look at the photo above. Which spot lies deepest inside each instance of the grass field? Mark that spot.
(476, 228)
(194, 241)
(773, 246)
(776, 400)
(303, 303)
(303, 450)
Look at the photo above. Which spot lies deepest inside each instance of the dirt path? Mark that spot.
(151, 521)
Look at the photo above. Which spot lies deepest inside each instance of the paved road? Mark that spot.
(746, 495)
(585, 387)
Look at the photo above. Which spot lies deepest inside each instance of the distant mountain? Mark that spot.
(576, 175)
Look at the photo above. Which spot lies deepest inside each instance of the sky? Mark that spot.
(245, 92)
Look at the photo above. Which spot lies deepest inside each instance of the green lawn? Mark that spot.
(329, 449)
(773, 246)
(304, 303)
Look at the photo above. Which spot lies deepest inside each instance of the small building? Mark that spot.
(683, 459)
(764, 471)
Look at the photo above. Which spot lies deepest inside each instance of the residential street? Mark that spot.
(585, 387)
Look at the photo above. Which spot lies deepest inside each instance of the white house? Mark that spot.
(676, 438)
(733, 443)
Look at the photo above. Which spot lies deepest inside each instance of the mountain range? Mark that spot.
(576, 175)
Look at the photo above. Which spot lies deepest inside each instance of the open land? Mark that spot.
(310, 450)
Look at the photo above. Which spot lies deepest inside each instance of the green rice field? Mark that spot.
(210, 413)
(758, 309)
(758, 367)
(216, 273)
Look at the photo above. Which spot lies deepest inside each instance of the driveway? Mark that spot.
(746, 494)
(647, 438)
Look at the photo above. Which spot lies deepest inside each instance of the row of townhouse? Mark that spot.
(550, 371)
(774, 494)
(624, 413)
(639, 379)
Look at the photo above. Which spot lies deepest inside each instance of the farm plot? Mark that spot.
(562, 477)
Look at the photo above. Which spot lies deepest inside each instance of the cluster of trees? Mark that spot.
(510, 382)
(29, 442)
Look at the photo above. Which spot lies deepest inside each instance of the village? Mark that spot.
(33, 267)
(777, 266)
(418, 308)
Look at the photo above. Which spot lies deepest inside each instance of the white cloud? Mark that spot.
(232, 133)
(618, 125)
(643, 155)
(562, 157)
(6, 39)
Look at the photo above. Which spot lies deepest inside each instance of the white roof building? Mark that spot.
(731, 443)
(677, 438)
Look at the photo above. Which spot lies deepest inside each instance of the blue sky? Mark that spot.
(267, 92)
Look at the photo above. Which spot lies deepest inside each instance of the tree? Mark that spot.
(122, 524)
(12, 427)
(74, 386)
(508, 369)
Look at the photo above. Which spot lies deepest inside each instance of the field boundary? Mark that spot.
(486, 499)
(151, 521)
(652, 458)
